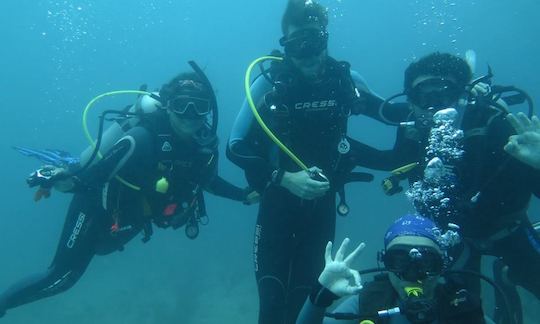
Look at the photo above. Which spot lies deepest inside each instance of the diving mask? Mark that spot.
(434, 93)
(189, 105)
(413, 264)
(305, 43)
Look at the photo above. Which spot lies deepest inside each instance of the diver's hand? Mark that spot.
(251, 197)
(303, 184)
(46, 176)
(337, 275)
(525, 145)
(480, 89)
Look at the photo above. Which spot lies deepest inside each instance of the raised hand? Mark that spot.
(337, 276)
(525, 145)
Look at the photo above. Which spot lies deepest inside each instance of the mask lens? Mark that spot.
(305, 43)
(186, 104)
(436, 93)
(413, 264)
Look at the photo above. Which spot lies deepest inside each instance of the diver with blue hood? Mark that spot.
(496, 173)
(150, 168)
(413, 287)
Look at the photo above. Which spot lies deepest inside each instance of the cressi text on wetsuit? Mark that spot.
(311, 120)
(105, 214)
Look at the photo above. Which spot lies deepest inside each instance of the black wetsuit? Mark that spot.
(453, 304)
(493, 195)
(311, 120)
(105, 213)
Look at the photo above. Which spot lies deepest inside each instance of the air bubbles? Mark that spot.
(435, 196)
(436, 18)
(70, 19)
(335, 9)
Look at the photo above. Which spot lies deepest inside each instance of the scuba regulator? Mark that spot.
(416, 307)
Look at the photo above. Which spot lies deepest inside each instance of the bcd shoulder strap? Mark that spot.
(375, 296)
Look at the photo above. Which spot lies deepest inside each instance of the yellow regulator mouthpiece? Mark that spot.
(414, 291)
(367, 322)
(162, 185)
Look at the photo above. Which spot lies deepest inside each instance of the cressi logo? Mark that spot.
(76, 230)
(321, 104)
(166, 147)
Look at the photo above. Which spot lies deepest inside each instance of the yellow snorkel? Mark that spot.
(258, 117)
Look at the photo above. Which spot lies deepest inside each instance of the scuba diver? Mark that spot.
(494, 179)
(414, 286)
(305, 97)
(154, 173)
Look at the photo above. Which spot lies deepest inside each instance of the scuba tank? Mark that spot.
(145, 104)
(148, 103)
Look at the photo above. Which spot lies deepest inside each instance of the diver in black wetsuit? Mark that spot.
(155, 173)
(305, 100)
(498, 173)
(414, 286)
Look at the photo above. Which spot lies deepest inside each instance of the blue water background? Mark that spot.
(57, 55)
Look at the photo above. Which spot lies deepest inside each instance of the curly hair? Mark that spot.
(303, 12)
(439, 64)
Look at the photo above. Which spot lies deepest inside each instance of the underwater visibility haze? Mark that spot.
(57, 55)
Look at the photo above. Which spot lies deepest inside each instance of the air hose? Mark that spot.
(258, 116)
(95, 144)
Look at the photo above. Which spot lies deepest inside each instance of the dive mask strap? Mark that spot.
(213, 99)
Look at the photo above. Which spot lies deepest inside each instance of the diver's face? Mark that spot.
(306, 46)
(413, 261)
(183, 127)
(432, 93)
(188, 112)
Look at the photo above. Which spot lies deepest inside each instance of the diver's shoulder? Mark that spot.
(359, 81)
(357, 77)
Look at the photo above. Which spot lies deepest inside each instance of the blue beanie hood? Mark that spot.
(411, 225)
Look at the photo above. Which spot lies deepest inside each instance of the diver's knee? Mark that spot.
(272, 293)
(60, 281)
